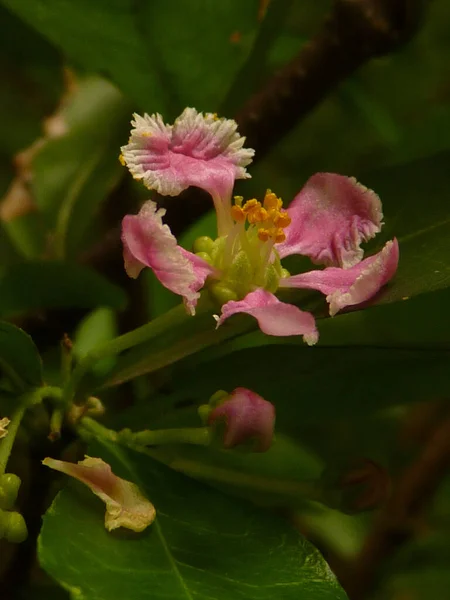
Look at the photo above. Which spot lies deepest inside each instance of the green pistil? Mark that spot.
(243, 261)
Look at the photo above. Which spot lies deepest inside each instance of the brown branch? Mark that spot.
(395, 523)
(354, 32)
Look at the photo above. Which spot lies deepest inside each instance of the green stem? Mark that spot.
(56, 421)
(47, 391)
(169, 320)
(7, 442)
(199, 436)
(179, 350)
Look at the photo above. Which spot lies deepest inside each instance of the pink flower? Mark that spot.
(247, 417)
(327, 221)
(125, 504)
(197, 150)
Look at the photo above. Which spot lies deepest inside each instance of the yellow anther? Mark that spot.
(251, 204)
(271, 201)
(238, 214)
(282, 220)
(238, 200)
(263, 234)
(122, 160)
(257, 215)
(279, 236)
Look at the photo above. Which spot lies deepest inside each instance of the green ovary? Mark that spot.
(243, 264)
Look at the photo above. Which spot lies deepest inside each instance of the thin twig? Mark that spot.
(395, 523)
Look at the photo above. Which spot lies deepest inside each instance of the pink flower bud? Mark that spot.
(247, 416)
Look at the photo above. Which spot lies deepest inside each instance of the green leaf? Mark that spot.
(420, 568)
(307, 384)
(19, 358)
(97, 327)
(74, 172)
(163, 55)
(35, 285)
(416, 214)
(412, 322)
(202, 545)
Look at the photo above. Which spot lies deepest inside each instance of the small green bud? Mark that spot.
(9, 488)
(284, 273)
(218, 398)
(205, 256)
(221, 293)
(15, 528)
(203, 244)
(203, 412)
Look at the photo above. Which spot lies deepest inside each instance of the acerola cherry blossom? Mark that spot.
(241, 269)
(125, 504)
(197, 150)
(248, 417)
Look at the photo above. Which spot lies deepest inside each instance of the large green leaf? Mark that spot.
(319, 383)
(74, 172)
(418, 214)
(164, 55)
(202, 545)
(19, 358)
(36, 285)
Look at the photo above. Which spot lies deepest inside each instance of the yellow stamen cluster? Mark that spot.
(270, 214)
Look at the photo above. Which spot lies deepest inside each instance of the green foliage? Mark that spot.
(146, 48)
(74, 171)
(227, 550)
(33, 71)
(19, 359)
(55, 285)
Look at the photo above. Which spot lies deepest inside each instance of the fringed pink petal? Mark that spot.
(347, 287)
(274, 317)
(248, 417)
(148, 242)
(198, 150)
(125, 504)
(330, 217)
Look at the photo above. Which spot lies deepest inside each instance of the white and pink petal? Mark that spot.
(349, 287)
(198, 150)
(330, 218)
(125, 504)
(148, 242)
(274, 317)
